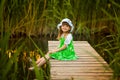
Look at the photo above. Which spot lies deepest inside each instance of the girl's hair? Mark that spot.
(60, 31)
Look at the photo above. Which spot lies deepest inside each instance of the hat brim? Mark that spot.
(70, 24)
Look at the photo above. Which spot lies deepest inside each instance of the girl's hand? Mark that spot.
(49, 52)
(54, 51)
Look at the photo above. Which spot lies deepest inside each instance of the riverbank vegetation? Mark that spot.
(27, 25)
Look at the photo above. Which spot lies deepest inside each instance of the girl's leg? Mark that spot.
(41, 61)
(47, 57)
(38, 60)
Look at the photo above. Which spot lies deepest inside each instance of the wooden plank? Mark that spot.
(82, 77)
(81, 73)
(80, 69)
(84, 64)
(87, 60)
(89, 66)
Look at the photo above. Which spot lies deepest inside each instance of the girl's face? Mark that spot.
(65, 27)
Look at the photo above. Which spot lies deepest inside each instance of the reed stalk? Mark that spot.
(22, 19)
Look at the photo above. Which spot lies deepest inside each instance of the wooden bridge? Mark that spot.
(89, 66)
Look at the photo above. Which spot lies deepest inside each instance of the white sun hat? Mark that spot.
(68, 21)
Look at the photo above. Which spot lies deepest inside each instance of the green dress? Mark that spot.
(67, 54)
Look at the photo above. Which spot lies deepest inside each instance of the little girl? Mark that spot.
(65, 50)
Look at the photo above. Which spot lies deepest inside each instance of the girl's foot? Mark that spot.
(31, 68)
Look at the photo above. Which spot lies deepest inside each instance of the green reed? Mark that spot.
(96, 21)
(18, 17)
(40, 73)
(110, 44)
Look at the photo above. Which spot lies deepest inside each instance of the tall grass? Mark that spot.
(19, 19)
(109, 45)
(24, 19)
